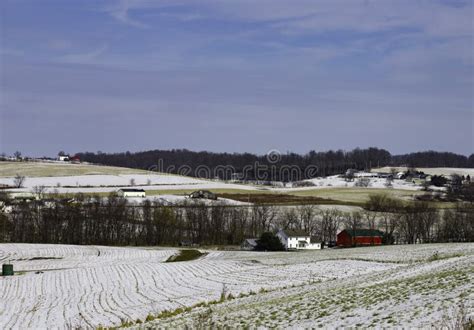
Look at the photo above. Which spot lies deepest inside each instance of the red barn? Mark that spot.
(75, 159)
(359, 237)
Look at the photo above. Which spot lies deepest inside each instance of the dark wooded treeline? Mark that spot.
(433, 159)
(182, 161)
(192, 163)
(113, 221)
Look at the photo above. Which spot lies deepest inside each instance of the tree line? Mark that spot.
(182, 161)
(433, 159)
(114, 221)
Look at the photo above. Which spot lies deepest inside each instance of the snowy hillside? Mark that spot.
(85, 287)
(102, 180)
(338, 181)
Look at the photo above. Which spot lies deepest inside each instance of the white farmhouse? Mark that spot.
(129, 192)
(297, 240)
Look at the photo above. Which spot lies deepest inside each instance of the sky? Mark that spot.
(236, 76)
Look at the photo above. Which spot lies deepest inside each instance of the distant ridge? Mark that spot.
(328, 162)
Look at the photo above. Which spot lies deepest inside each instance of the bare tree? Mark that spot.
(370, 218)
(39, 191)
(417, 222)
(306, 215)
(18, 181)
(389, 222)
(289, 218)
(263, 216)
(17, 155)
(353, 222)
(457, 225)
(363, 182)
(388, 211)
(428, 218)
(330, 221)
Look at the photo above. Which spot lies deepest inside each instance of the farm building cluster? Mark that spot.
(141, 193)
(293, 239)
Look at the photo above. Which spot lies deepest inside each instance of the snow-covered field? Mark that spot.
(105, 180)
(103, 183)
(337, 181)
(65, 178)
(87, 286)
(57, 168)
(410, 296)
(172, 189)
(86, 178)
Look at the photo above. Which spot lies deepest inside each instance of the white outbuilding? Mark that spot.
(24, 195)
(130, 192)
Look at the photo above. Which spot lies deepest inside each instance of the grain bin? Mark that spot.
(7, 270)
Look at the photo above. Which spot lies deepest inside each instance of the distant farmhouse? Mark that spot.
(67, 158)
(203, 194)
(297, 240)
(359, 237)
(129, 192)
(63, 158)
(20, 195)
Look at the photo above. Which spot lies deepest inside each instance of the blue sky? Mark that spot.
(236, 76)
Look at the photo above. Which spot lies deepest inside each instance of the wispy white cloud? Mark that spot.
(120, 11)
(303, 16)
(432, 17)
(422, 21)
(83, 57)
(184, 17)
